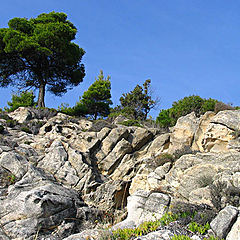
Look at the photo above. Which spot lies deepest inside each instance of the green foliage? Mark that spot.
(26, 130)
(11, 123)
(131, 122)
(180, 237)
(78, 110)
(195, 227)
(39, 53)
(97, 99)
(137, 103)
(22, 99)
(12, 179)
(169, 117)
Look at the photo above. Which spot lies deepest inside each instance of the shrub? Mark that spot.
(180, 237)
(169, 117)
(195, 227)
(79, 110)
(26, 130)
(131, 122)
(220, 106)
(23, 99)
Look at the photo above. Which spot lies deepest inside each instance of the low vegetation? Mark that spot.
(151, 226)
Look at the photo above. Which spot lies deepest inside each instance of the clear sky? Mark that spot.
(185, 47)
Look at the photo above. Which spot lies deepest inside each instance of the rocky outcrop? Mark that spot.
(59, 181)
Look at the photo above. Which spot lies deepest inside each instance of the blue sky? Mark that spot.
(185, 47)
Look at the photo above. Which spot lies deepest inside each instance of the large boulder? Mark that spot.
(34, 203)
(108, 196)
(224, 221)
(145, 206)
(183, 132)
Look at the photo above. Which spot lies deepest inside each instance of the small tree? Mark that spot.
(138, 102)
(39, 53)
(23, 99)
(97, 99)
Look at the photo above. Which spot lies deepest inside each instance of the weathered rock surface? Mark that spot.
(58, 182)
(222, 224)
(235, 230)
(183, 132)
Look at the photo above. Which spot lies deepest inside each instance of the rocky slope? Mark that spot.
(74, 174)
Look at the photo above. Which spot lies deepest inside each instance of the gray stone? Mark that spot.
(15, 163)
(140, 137)
(111, 162)
(224, 221)
(146, 206)
(235, 230)
(34, 202)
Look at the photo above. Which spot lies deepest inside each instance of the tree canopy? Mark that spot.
(139, 102)
(97, 99)
(39, 53)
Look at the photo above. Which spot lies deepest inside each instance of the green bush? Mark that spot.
(79, 110)
(180, 237)
(131, 122)
(195, 227)
(169, 117)
(26, 129)
(23, 99)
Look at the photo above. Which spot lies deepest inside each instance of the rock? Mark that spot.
(119, 119)
(110, 195)
(55, 158)
(111, 162)
(224, 221)
(154, 178)
(228, 118)
(201, 130)
(111, 140)
(139, 182)
(160, 235)
(14, 163)
(146, 206)
(235, 230)
(22, 114)
(140, 137)
(192, 172)
(159, 144)
(85, 124)
(183, 132)
(36, 202)
(216, 138)
(126, 169)
(89, 234)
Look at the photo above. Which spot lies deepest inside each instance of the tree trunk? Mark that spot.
(41, 96)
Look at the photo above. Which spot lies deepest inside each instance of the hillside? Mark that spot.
(69, 178)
